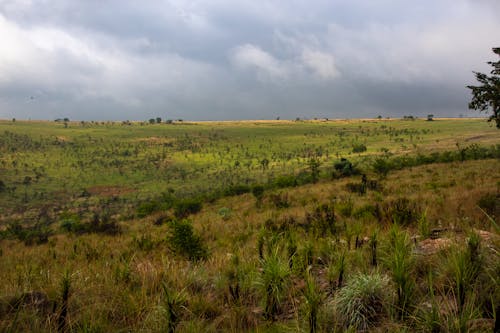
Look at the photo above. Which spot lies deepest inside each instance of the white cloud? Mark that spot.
(105, 57)
(251, 56)
(321, 63)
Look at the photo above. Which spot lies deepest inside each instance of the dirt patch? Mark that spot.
(61, 138)
(432, 246)
(109, 191)
(487, 236)
(483, 138)
(156, 140)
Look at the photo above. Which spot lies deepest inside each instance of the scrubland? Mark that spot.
(266, 226)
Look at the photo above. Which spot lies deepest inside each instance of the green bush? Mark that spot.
(184, 241)
(237, 190)
(490, 202)
(186, 207)
(284, 181)
(344, 168)
(358, 148)
(147, 208)
(30, 235)
(381, 166)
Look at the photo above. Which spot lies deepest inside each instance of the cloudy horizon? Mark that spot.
(229, 60)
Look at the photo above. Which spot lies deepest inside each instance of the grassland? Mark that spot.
(250, 226)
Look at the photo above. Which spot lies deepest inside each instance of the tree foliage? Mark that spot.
(487, 94)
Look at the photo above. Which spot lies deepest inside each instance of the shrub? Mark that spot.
(147, 208)
(358, 148)
(344, 168)
(72, 225)
(361, 304)
(258, 192)
(184, 241)
(285, 181)
(102, 223)
(237, 190)
(490, 202)
(381, 166)
(30, 235)
(186, 207)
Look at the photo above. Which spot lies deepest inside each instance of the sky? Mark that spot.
(242, 59)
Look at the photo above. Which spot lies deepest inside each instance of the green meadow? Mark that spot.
(261, 226)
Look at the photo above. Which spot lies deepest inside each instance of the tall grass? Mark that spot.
(173, 305)
(274, 283)
(62, 323)
(362, 303)
(313, 299)
(398, 258)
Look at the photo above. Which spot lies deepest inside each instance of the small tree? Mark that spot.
(430, 117)
(487, 95)
(314, 164)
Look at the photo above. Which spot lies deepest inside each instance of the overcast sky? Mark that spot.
(241, 59)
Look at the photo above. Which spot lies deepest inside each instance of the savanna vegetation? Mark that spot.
(319, 226)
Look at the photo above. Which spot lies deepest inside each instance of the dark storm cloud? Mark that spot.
(223, 59)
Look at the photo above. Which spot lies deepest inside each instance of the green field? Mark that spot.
(194, 158)
(250, 226)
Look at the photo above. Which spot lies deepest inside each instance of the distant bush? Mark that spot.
(184, 241)
(284, 181)
(103, 224)
(99, 223)
(358, 148)
(344, 168)
(185, 207)
(258, 191)
(237, 190)
(73, 225)
(29, 235)
(490, 202)
(382, 165)
(147, 208)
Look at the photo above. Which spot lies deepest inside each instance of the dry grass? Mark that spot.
(117, 286)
